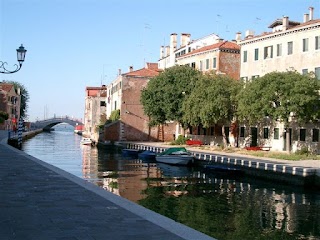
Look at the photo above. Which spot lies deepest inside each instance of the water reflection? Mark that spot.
(221, 205)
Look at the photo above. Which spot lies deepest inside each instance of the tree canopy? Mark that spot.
(163, 97)
(213, 100)
(279, 95)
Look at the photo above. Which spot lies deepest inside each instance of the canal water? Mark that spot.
(221, 205)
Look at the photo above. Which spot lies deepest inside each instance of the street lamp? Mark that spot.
(21, 54)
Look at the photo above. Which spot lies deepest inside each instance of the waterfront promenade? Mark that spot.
(40, 201)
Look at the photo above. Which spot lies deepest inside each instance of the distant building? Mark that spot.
(95, 111)
(124, 94)
(10, 101)
(209, 53)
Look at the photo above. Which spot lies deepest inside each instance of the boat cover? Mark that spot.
(173, 150)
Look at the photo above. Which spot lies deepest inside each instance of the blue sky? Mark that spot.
(72, 44)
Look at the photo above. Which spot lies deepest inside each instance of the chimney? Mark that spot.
(161, 52)
(305, 17)
(311, 13)
(130, 68)
(167, 51)
(185, 39)
(173, 42)
(119, 71)
(285, 23)
(238, 36)
(249, 33)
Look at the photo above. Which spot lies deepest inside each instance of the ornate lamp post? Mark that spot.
(21, 53)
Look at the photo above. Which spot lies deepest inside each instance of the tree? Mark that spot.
(281, 96)
(163, 97)
(212, 101)
(24, 98)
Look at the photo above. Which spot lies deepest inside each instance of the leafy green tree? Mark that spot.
(212, 101)
(24, 98)
(281, 95)
(3, 116)
(163, 97)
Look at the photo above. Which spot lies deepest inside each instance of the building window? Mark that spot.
(315, 135)
(279, 49)
(115, 105)
(276, 133)
(214, 64)
(268, 52)
(305, 44)
(102, 104)
(193, 65)
(207, 63)
(256, 54)
(304, 71)
(302, 135)
(241, 131)
(317, 72)
(244, 79)
(245, 56)
(317, 42)
(290, 48)
(200, 67)
(265, 133)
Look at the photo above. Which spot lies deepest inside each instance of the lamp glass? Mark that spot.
(21, 54)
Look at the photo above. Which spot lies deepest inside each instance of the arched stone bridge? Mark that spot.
(47, 124)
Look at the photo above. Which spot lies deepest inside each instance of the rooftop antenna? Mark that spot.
(218, 22)
(146, 26)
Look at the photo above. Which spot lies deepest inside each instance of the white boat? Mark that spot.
(175, 156)
(86, 141)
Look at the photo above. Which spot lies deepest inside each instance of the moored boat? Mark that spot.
(86, 141)
(147, 155)
(127, 152)
(175, 156)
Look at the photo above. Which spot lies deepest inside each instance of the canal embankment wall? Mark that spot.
(304, 173)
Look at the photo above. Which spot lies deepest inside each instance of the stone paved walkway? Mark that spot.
(40, 201)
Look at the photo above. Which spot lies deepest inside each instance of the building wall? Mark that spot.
(114, 95)
(10, 103)
(168, 53)
(135, 123)
(112, 132)
(93, 111)
(298, 60)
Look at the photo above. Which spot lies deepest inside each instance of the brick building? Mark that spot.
(10, 101)
(124, 94)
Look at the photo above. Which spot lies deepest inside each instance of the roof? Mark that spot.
(6, 86)
(94, 91)
(311, 22)
(278, 22)
(220, 45)
(151, 70)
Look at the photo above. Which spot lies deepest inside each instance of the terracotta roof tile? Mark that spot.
(220, 45)
(6, 86)
(151, 70)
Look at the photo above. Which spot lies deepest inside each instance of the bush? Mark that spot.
(115, 115)
(303, 151)
(181, 140)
